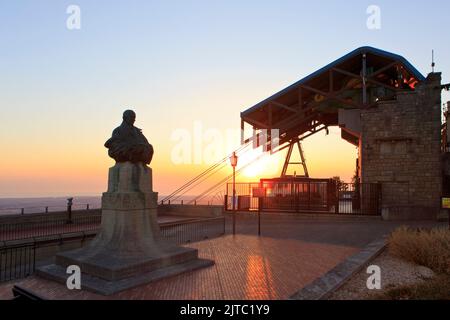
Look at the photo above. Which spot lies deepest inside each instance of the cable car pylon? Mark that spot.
(287, 161)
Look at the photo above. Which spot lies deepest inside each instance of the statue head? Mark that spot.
(129, 116)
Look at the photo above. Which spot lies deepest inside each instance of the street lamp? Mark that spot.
(233, 161)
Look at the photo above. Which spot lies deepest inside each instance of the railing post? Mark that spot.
(259, 215)
(22, 211)
(169, 202)
(336, 190)
(309, 195)
(87, 207)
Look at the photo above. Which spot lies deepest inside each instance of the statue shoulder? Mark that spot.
(115, 134)
(117, 130)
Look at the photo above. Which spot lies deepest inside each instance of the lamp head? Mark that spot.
(233, 159)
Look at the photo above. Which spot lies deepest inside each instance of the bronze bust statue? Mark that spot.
(128, 143)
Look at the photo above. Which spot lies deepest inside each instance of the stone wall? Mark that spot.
(400, 148)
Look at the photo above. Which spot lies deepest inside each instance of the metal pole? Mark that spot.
(259, 217)
(234, 201)
(364, 76)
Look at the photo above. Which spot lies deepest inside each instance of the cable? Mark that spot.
(193, 180)
(220, 183)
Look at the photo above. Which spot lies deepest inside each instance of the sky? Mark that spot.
(181, 65)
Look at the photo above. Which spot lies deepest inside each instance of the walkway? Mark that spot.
(292, 252)
(247, 267)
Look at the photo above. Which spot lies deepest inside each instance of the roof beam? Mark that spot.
(385, 68)
(357, 76)
(330, 80)
(254, 122)
(277, 104)
(323, 93)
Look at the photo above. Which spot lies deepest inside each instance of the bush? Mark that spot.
(429, 248)
(437, 288)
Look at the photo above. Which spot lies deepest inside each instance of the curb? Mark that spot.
(323, 287)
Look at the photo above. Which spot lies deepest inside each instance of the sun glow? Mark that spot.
(257, 164)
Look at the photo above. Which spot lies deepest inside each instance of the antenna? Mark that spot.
(432, 61)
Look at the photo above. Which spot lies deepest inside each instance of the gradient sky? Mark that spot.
(175, 62)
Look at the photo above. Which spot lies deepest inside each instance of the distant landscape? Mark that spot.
(10, 206)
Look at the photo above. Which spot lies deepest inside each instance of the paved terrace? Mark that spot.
(292, 252)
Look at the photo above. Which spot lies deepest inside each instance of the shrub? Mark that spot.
(437, 288)
(430, 248)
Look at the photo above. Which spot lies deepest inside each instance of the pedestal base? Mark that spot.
(102, 286)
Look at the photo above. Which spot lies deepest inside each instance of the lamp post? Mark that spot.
(233, 161)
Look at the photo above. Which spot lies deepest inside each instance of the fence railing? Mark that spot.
(86, 206)
(48, 226)
(46, 209)
(359, 199)
(195, 230)
(19, 261)
(325, 196)
(203, 202)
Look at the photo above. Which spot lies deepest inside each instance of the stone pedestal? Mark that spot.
(128, 250)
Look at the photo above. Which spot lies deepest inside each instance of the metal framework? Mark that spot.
(358, 80)
(287, 161)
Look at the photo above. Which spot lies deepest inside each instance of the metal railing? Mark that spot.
(187, 202)
(358, 199)
(245, 199)
(46, 209)
(17, 262)
(195, 230)
(325, 196)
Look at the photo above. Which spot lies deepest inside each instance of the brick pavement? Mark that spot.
(247, 267)
(293, 251)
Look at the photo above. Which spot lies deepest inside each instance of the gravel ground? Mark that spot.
(394, 272)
